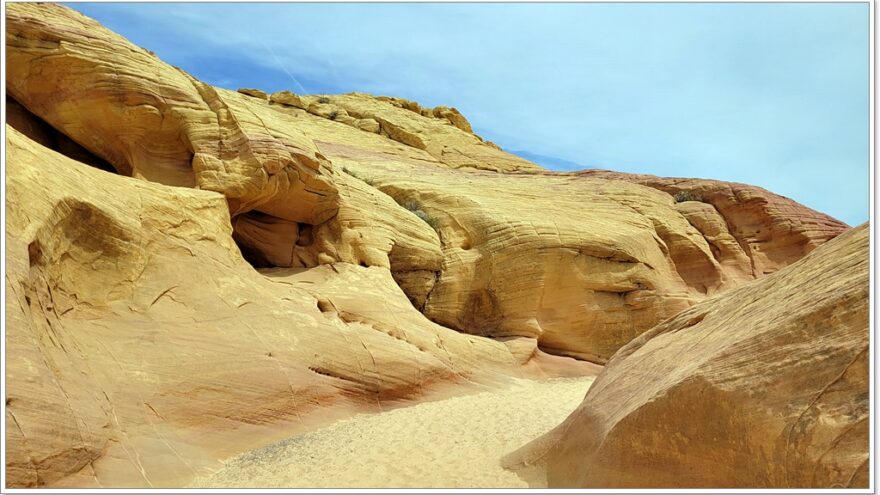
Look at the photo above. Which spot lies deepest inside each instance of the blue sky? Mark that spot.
(774, 95)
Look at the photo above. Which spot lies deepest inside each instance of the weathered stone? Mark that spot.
(153, 121)
(369, 125)
(524, 255)
(772, 230)
(256, 93)
(142, 347)
(454, 117)
(288, 98)
(765, 386)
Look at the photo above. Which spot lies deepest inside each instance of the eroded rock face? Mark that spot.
(765, 386)
(500, 262)
(582, 263)
(772, 231)
(289, 207)
(153, 121)
(142, 347)
(508, 243)
(139, 328)
(36, 129)
(442, 132)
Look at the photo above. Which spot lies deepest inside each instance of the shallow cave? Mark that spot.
(267, 241)
(40, 131)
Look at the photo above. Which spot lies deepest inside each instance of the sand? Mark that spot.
(450, 443)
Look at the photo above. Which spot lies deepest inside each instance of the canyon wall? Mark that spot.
(193, 270)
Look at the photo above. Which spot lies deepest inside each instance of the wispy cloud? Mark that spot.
(769, 94)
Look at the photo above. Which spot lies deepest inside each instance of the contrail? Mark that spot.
(272, 53)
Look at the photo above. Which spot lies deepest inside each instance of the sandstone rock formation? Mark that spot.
(765, 386)
(499, 261)
(270, 172)
(584, 264)
(36, 129)
(256, 93)
(443, 132)
(153, 121)
(743, 222)
(142, 347)
(144, 343)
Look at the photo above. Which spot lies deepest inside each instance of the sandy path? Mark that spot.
(454, 442)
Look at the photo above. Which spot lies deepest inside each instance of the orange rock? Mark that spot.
(773, 231)
(583, 263)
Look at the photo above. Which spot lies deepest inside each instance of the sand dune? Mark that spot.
(450, 443)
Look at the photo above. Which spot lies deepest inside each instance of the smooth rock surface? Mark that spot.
(765, 386)
(582, 262)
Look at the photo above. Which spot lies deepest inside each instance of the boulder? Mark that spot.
(765, 386)
(288, 98)
(454, 117)
(256, 93)
(369, 125)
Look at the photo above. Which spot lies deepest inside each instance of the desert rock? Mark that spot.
(257, 262)
(445, 135)
(771, 230)
(765, 386)
(287, 98)
(497, 259)
(153, 121)
(143, 347)
(256, 93)
(523, 256)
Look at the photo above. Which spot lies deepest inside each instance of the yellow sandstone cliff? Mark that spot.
(258, 260)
